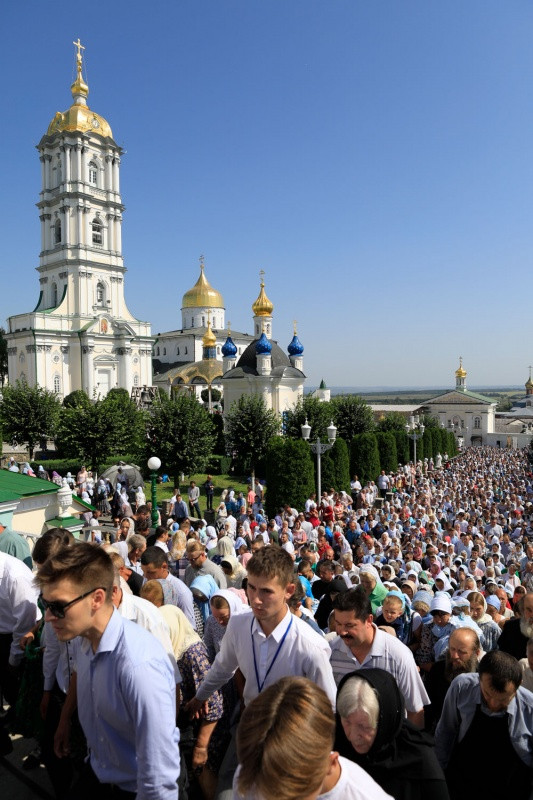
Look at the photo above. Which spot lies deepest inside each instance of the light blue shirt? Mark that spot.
(462, 699)
(127, 709)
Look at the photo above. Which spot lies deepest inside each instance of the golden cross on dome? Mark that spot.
(80, 46)
(208, 317)
(530, 373)
(229, 328)
(201, 259)
(294, 328)
(262, 276)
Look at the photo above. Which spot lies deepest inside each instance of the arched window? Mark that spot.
(57, 231)
(135, 380)
(218, 350)
(53, 301)
(93, 173)
(177, 351)
(57, 384)
(203, 322)
(100, 293)
(164, 351)
(192, 322)
(158, 351)
(97, 231)
(185, 351)
(477, 422)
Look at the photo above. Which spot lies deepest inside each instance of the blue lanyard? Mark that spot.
(276, 654)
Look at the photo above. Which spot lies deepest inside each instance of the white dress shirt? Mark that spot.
(303, 653)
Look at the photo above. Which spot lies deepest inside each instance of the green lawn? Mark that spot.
(166, 490)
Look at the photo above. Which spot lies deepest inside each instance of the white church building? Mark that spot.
(80, 335)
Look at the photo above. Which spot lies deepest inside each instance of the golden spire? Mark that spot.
(209, 339)
(294, 327)
(262, 306)
(79, 88)
(461, 372)
(229, 328)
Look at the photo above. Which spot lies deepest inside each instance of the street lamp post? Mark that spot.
(415, 431)
(319, 448)
(153, 465)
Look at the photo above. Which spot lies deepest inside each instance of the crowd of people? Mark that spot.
(372, 644)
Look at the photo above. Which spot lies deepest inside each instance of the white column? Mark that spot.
(78, 162)
(67, 164)
(116, 181)
(108, 173)
(66, 224)
(43, 231)
(83, 164)
(48, 171)
(118, 234)
(43, 172)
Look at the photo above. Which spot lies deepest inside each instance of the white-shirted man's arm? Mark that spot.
(22, 596)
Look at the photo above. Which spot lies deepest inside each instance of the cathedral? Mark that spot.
(205, 354)
(80, 335)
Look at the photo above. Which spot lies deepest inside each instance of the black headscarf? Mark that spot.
(402, 758)
(325, 607)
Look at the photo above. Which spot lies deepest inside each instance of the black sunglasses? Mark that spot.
(57, 609)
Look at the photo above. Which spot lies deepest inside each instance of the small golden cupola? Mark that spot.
(529, 384)
(79, 116)
(460, 375)
(262, 309)
(209, 340)
(262, 306)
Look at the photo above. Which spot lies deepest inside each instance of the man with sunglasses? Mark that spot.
(125, 682)
(18, 615)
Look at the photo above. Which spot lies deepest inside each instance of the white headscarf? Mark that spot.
(236, 606)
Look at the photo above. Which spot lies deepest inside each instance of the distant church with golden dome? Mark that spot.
(80, 334)
(207, 354)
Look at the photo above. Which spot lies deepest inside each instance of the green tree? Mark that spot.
(388, 455)
(364, 457)
(428, 443)
(127, 424)
(451, 444)
(351, 416)
(435, 441)
(392, 421)
(249, 427)
(95, 431)
(335, 467)
(289, 473)
(28, 414)
(402, 445)
(181, 433)
(76, 398)
(317, 414)
(216, 394)
(3, 357)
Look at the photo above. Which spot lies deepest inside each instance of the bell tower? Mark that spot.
(80, 334)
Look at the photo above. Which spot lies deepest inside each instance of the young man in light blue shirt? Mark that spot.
(126, 692)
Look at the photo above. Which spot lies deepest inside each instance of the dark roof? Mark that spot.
(247, 363)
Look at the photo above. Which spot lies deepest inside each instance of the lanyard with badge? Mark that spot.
(276, 654)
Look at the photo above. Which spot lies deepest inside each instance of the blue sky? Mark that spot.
(374, 158)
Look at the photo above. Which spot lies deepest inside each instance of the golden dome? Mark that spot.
(262, 306)
(460, 372)
(209, 339)
(202, 294)
(79, 116)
